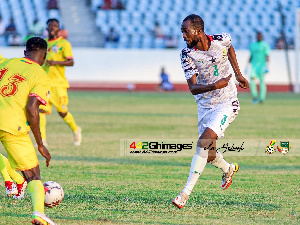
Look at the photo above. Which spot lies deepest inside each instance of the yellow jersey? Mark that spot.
(59, 49)
(20, 78)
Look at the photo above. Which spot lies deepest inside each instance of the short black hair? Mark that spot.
(51, 20)
(36, 44)
(196, 21)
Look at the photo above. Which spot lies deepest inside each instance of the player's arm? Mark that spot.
(33, 118)
(238, 75)
(200, 88)
(67, 62)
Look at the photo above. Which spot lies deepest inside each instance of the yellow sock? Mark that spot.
(37, 193)
(43, 125)
(12, 173)
(70, 121)
(3, 170)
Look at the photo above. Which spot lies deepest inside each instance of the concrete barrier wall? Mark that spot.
(143, 66)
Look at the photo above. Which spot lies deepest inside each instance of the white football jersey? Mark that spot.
(210, 66)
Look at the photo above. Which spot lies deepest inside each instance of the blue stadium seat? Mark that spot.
(241, 18)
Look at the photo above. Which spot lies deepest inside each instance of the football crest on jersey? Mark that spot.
(55, 48)
(224, 53)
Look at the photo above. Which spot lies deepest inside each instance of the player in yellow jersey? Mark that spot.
(9, 176)
(24, 85)
(59, 55)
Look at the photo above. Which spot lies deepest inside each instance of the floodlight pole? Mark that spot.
(286, 47)
(297, 43)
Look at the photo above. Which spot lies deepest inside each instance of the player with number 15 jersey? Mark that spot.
(20, 77)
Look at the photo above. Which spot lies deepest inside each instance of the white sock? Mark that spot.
(220, 162)
(197, 166)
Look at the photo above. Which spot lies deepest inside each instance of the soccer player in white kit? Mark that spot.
(206, 62)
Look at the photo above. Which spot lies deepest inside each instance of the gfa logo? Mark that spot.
(283, 148)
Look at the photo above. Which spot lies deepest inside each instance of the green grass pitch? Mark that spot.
(102, 187)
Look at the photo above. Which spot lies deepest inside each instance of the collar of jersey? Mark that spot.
(60, 37)
(210, 38)
(30, 60)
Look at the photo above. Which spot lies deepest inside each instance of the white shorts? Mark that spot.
(217, 118)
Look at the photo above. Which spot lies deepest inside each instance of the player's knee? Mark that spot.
(206, 143)
(63, 114)
(32, 174)
(202, 152)
(44, 111)
(28, 179)
(211, 158)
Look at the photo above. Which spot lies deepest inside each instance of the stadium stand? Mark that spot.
(240, 18)
(23, 12)
(135, 24)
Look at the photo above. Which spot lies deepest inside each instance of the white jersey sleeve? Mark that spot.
(188, 65)
(226, 40)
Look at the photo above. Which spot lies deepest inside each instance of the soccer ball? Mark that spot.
(270, 149)
(54, 194)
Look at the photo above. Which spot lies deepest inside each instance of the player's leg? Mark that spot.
(199, 160)
(223, 117)
(262, 86)
(3, 170)
(35, 188)
(228, 169)
(11, 188)
(12, 173)
(61, 105)
(18, 178)
(206, 141)
(253, 87)
(205, 149)
(69, 119)
(37, 194)
(204, 144)
(22, 156)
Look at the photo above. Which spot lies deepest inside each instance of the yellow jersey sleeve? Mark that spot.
(41, 88)
(67, 50)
